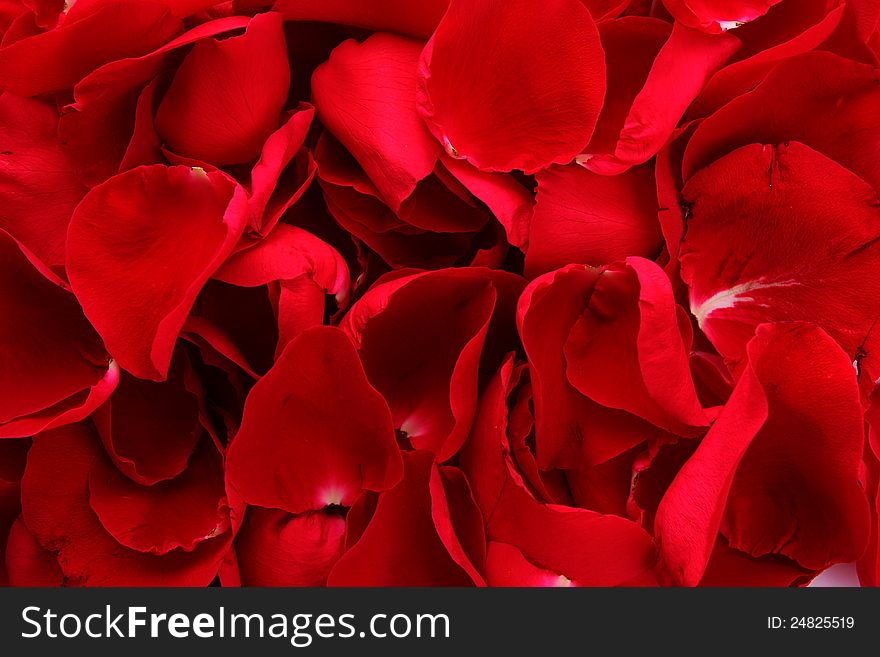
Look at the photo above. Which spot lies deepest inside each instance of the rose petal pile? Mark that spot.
(439, 293)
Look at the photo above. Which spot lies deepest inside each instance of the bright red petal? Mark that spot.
(472, 88)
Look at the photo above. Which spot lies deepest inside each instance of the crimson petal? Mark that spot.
(122, 241)
(314, 432)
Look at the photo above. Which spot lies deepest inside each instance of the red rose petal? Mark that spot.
(589, 219)
(149, 429)
(275, 548)
(386, 135)
(55, 369)
(583, 546)
(572, 431)
(740, 266)
(787, 30)
(421, 338)
(819, 99)
(55, 508)
(38, 189)
(61, 57)
(687, 520)
(681, 69)
(479, 114)
(278, 151)
(123, 238)
(401, 545)
(178, 513)
(227, 96)
(625, 350)
(810, 447)
(96, 130)
(784, 417)
(314, 431)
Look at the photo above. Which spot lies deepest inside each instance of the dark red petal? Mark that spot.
(747, 210)
(819, 99)
(227, 96)
(590, 219)
(472, 88)
(145, 146)
(275, 548)
(38, 189)
(61, 57)
(96, 130)
(458, 520)
(55, 508)
(122, 239)
(869, 563)
(178, 513)
(625, 351)
(572, 431)
(729, 567)
(149, 429)
(314, 432)
(421, 338)
(416, 19)
(402, 545)
(796, 492)
(27, 562)
(55, 369)
(716, 16)
(681, 69)
(385, 135)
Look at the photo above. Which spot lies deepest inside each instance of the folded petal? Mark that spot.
(582, 217)
(625, 351)
(472, 88)
(421, 338)
(314, 432)
(122, 238)
(97, 129)
(678, 74)
(571, 430)
(227, 96)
